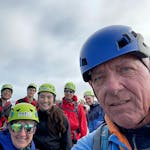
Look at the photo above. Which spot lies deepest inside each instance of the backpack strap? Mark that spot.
(101, 138)
(21, 101)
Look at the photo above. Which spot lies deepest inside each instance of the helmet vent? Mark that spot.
(124, 41)
(18, 110)
(83, 62)
(144, 44)
(31, 110)
(134, 34)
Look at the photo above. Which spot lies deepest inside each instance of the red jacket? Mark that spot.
(26, 100)
(4, 112)
(77, 120)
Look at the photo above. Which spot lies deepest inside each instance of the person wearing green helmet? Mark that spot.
(53, 131)
(31, 90)
(115, 61)
(75, 112)
(21, 127)
(5, 103)
(95, 115)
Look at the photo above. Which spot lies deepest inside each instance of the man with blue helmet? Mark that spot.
(115, 62)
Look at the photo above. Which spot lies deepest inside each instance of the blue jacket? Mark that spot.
(95, 117)
(139, 139)
(86, 143)
(6, 143)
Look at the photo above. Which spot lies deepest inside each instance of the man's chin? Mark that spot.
(127, 124)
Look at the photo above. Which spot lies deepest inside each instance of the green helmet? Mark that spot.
(23, 111)
(46, 87)
(32, 85)
(70, 85)
(88, 93)
(7, 86)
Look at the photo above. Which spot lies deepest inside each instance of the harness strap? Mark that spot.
(101, 138)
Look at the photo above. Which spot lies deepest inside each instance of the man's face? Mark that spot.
(22, 133)
(31, 92)
(6, 94)
(122, 88)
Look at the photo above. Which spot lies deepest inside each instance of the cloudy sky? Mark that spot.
(40, 40)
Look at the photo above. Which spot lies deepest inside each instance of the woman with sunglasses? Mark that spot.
(53, 131)
(74, 112)
(22, 122)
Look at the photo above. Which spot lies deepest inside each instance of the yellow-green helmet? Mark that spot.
(70, 85)
(32, 85)
(46, 87)
(7, 86)
(23, 111)
(88, 93)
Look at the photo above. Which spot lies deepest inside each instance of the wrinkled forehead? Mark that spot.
(124, 59)
(119, 60)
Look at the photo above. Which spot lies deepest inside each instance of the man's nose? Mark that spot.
(113, 83)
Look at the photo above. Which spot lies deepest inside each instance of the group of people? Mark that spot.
(115, 61)
(58, 126)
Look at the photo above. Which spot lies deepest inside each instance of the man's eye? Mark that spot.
(98, 79)
(125, 69)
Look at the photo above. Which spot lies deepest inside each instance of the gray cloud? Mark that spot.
(41, 40)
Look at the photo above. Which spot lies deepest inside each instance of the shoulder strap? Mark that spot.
(60, 105)
(76, 108)
(101, 138)
(21, 100)
(0, 102)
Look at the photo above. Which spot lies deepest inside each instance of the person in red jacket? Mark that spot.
(74, 112)
(31, 90)
(5, 104)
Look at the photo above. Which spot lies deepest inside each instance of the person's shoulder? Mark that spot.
(85, 143)
(20, 100)
(4, 133)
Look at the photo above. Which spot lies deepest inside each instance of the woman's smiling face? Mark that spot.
(45, 100)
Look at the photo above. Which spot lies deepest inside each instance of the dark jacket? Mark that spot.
(95, 117)
(47, 140)
(139, 137)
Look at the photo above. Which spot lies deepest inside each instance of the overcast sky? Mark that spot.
(40, 40)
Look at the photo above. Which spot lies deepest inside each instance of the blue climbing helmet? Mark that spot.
(108, 43)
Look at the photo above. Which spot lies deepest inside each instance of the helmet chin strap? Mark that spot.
(145, 62)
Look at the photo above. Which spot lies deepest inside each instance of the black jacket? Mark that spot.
(47, 140)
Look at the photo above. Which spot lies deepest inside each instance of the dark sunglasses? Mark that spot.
(17, 127)
(68, 91)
